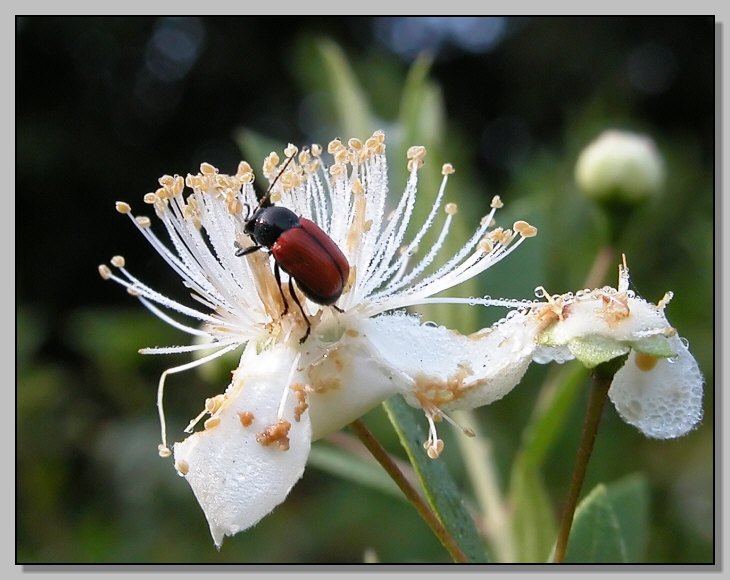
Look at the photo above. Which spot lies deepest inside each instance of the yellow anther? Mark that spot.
(500, 236)
(372, 143)
(182, 467)
(662, 304)
(193, 181)
(496, 202)
(451, 208)
(243, 168)
(316, 150)
(334, 146)
(166, 180)
(447, 169)
(118, 261)
(214, 403)
(211, 423)
(178, 185)
(483, 221)
(207, 169)
(143, 221)
(342, 156)
(122, 207)
(486, 245)
(132, 291)
(163, 451)
(150, 198)
(291, 150)
(435, 450)
(104, 271)
(416, 152)
(304, 157)
(524, 229)
(272, 158)
(234, 206)
(337, 170)
(355, 144)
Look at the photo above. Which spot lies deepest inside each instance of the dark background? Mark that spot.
(104, 106)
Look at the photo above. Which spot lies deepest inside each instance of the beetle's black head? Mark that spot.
(267, 223)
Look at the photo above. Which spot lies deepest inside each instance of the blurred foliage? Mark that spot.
(134, 98)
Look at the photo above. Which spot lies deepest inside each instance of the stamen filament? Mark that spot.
(164, 449)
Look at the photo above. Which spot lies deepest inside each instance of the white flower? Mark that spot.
(659, 387)
(285, 393)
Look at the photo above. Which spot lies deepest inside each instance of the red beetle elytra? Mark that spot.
(301, 249)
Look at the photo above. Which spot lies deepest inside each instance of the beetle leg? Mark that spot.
(296, 300)
(277, 275)
(245, 251)
(338, 309)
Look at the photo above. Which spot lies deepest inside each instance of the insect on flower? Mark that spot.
(308, 371)
(301, 249)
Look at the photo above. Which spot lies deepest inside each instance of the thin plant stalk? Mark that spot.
(410, 492)
(596, 402)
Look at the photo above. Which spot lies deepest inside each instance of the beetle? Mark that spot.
(301, 249)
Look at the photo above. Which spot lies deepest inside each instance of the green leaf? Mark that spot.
(534, 524)
(629, 497)
(442, 493)
(421, 114)
(612, 523)
(351, 104)
(345, 465)
(595, 537)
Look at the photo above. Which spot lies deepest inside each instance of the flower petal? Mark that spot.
(660, 396)
(346, 381)
(248, 458)
(439, 368)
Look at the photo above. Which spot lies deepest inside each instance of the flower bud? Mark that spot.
(620, 166)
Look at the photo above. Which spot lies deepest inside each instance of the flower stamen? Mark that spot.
(164, 450)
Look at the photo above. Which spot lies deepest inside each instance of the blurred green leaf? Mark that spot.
(442, 493)
(611, 524)
(630, 500)
(595, 537)
(557, 397)
(421, 115)
(353, 110)
(113, 338)
(534, 524)
(345, 465)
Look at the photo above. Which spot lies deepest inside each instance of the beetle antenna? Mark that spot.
(264, 201)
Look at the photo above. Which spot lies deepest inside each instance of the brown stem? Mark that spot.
(598, 395)
(413, 496)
